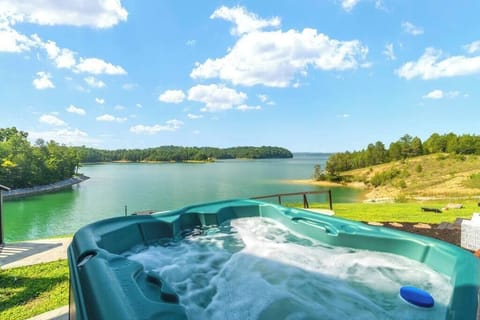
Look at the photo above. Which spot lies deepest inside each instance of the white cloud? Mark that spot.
(216, 97)
(348, 5)
(52, 120)
(61, 57)
(15, 42)
(344, 115)
(245, 107)
(139, 105)
(472, 47)
(99, 100)
(93, 13)
(98, 66)
(65, 58)
(244, 21)
(265, 99)
(72, 109)
(274, 58)
(171, 125)
(43, 81)
(439, 94)
(194, 116)
(172, 96)
(94, 83)
(389, 52)
(262, 97)
(430, 66)
(435, 94)
(12, 41)
(119, 107)
(412, 29)
(74, 137)
(109, 118)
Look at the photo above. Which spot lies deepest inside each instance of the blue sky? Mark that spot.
(319, 76)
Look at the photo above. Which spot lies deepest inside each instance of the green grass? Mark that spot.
(32, 290)
(400, 212)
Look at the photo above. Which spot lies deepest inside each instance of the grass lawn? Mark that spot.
(32, 290)
(400, 212)
(404, 212)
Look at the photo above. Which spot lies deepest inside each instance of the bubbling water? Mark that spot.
(256, 268)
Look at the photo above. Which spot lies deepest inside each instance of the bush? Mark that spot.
(384, 177)
(402, 184)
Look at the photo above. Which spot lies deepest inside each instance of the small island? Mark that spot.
(181, 154)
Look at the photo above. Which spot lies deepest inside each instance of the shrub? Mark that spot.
(402, 184)
(384, 177)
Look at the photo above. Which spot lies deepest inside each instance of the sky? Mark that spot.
(310, 75)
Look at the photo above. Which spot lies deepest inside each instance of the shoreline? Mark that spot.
(356, 185)
(376, 195)
(53, 187)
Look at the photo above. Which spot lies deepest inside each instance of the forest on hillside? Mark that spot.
(176, 153)
(24, 165)
(406, 147)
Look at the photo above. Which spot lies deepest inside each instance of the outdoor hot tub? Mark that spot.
(247, 259)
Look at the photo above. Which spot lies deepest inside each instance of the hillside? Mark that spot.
(438, 175)
(435, 175)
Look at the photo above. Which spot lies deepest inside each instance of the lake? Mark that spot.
(158, 186)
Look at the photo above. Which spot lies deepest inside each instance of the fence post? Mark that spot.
(330, 199)
(305, 201)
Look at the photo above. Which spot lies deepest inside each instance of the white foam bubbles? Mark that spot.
(255, 268)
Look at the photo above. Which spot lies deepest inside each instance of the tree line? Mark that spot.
(25, 165)
(406, 147)
(177, 154)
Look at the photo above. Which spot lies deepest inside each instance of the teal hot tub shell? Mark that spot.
(106, 285)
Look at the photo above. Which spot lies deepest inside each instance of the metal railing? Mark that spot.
(303, 194)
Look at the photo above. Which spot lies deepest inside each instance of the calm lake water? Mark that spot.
(157, 186)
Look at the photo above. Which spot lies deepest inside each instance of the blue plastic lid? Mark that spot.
(416, 296)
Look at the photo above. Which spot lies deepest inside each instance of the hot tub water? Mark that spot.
(255, 268)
